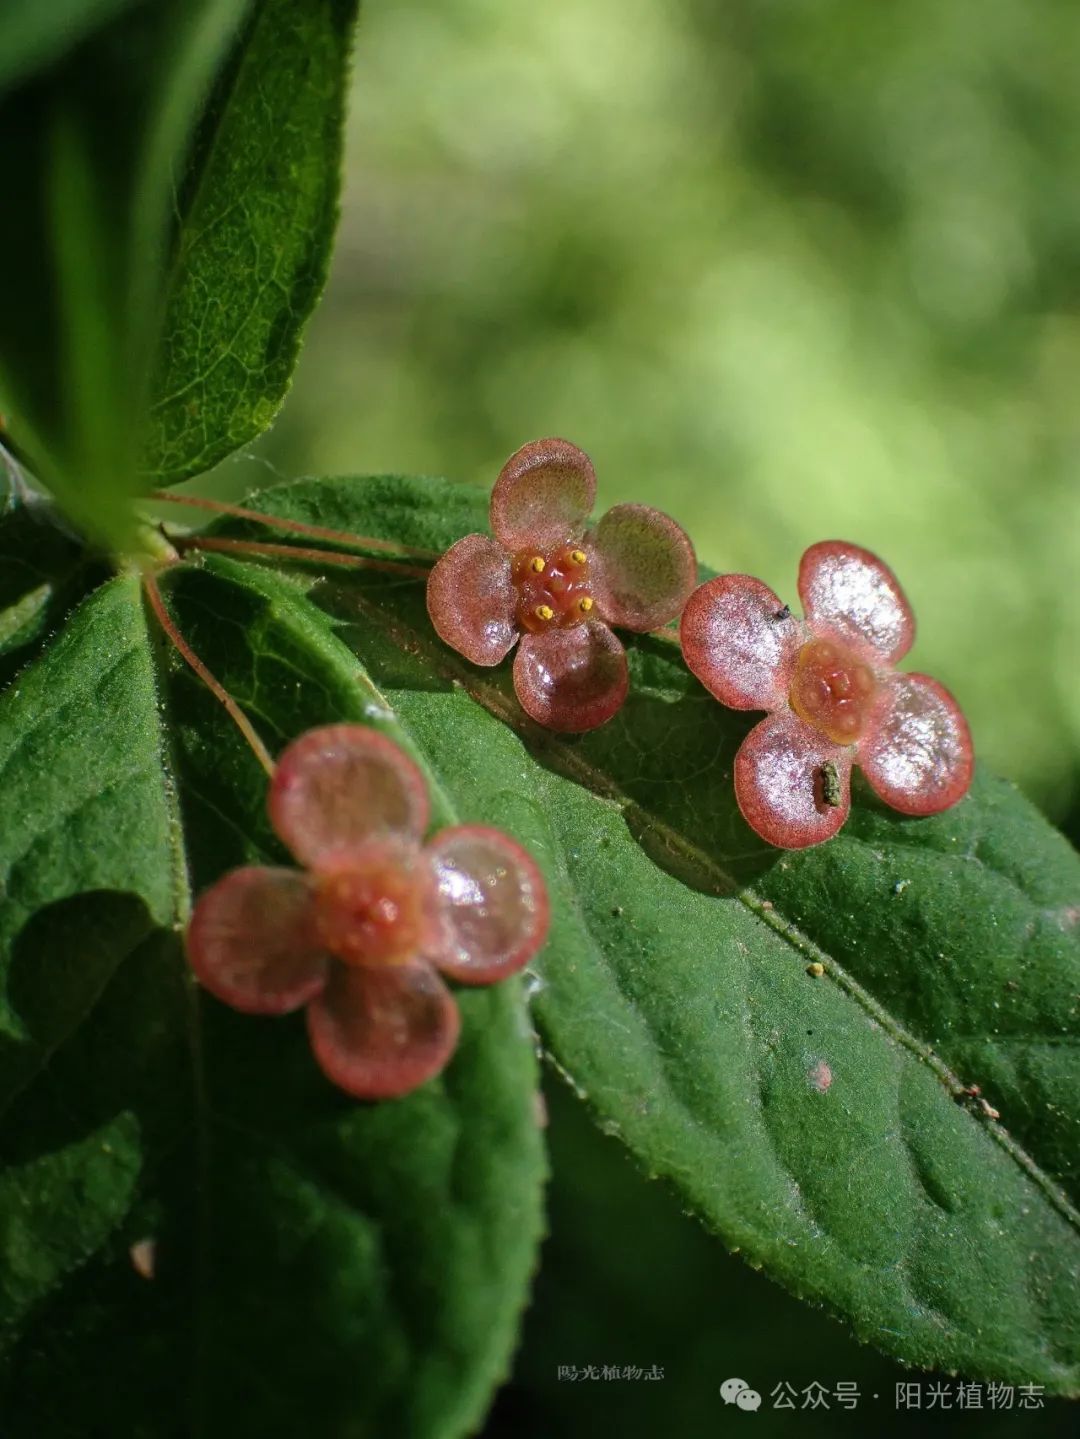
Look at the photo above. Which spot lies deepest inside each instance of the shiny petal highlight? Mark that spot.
(918, 757)
(849, 592)
(741, 642)
(571, 680)
(782, 784)
(493, 903)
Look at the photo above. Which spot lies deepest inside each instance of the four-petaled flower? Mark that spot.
(834, 696)
(360, 936)
(559, 588)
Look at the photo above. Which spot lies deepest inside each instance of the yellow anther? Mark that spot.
(585, 604)
(536, 564)
(544, 612)
(578, 556)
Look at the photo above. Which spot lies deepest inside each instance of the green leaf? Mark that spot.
(819, 1124)
(258, 210)
(43, 571)
(94, 142)
(318, 1266)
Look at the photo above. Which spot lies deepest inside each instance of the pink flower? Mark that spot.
(833, 694)
(361, 935)
(547, 581)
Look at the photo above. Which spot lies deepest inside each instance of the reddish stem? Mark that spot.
(236, 714)
(295, 552)
(317, 532)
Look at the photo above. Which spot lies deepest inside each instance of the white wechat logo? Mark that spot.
(737, 1391)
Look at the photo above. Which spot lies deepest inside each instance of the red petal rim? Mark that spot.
(741, 642)
(337, 788)
(644, 567)
(470, 598)
(380, 1032)
(571, 680)
(543, 496)
(494, 904)
(918, 756)
(851, 594)
(781, 783)
(251, 942)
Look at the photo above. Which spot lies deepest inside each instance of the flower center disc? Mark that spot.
(374, 915)
(552, 589)
(833, 690)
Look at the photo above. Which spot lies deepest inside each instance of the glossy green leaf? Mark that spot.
(43, 572)
(819, 1124)
(258, 213)
(278, 1259)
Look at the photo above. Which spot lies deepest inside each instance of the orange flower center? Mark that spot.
(553, 589)
(833, 690)
(373, 915)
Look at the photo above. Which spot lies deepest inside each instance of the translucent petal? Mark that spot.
(783, 787)
(543, 496)
(918, 756)
(251, 941)
(381, 1031)
(336, 788)
(572, 679)
(643, 567)
(470, 599)
(849, 592)
(741, 642)
(494, 904)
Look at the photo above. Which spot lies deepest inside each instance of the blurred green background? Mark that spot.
(791, 270)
